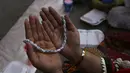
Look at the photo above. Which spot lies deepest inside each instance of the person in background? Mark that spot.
(48, 35)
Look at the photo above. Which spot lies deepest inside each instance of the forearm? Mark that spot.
(91, 64)
(59, 71)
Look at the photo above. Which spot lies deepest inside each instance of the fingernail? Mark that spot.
(26, 20)
(50, 7)
(66, 16)
(30, 16)
(25, 48)
(29, 63)
(44, 9)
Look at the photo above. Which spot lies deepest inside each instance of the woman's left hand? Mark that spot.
(49, 63)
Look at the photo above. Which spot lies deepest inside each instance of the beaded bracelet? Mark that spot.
(51, 51)
(117, 67)
(103, 64)
(109, 66)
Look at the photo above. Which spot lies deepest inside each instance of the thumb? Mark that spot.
(31, 54)
(69, 24)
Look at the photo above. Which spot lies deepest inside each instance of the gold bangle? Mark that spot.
(74, 67)
(84, 52)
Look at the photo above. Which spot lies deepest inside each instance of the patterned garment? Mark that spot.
(116, 45)
(117, 40)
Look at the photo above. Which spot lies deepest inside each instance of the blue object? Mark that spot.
(107, 1)
(68, 6)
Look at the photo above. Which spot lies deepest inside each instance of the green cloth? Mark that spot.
(106, 7)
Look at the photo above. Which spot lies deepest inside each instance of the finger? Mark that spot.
(31, 54)
(50, 17)
(28, 30)
(69, 24)
(43, 16)
(46, 31)
(55, 15)
(33, 27)
(39, 29)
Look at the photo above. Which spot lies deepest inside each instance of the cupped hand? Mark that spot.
(46, 62)
(54, 29)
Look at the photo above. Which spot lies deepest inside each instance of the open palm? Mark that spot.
(36, 33)
(55, 31)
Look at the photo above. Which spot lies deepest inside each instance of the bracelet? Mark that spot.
(109, 65)
(82, 57)
(117, 67)
(103, 64)
(74, 67)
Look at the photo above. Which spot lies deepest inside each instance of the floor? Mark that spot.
(10, 11)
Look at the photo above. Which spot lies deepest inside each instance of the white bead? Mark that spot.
(103, 65)
(83, 53)
(58, 50)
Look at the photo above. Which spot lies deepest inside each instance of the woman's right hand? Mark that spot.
(72, 49)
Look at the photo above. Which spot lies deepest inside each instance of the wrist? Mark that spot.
(56, 71)
(77, 57)
(90, 64)
(59, 71)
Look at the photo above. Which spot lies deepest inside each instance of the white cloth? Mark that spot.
(18, 67)
(11, 46)
(90, 38)
(119, 17)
